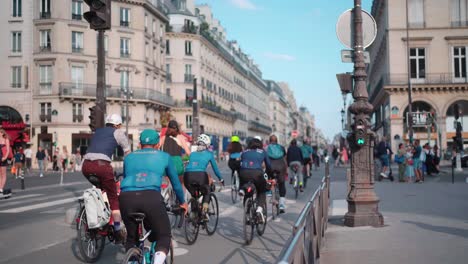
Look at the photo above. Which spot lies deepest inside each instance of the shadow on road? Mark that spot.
(441, 229)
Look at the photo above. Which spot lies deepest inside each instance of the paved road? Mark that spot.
(33, 228)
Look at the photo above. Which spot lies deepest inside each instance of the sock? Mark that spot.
(117, 226)
(159, 257)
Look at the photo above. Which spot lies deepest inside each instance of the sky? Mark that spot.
(294, 43)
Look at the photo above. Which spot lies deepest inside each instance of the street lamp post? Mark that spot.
(410, 99)
(362, 200)
(342, 119)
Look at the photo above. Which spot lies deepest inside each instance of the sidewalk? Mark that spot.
(424, 223)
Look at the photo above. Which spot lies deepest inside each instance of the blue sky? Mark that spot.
(294, 43)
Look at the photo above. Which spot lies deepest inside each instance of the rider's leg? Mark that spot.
(158, 220)
(128, 203)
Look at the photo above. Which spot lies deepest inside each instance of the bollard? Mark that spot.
(22, 183)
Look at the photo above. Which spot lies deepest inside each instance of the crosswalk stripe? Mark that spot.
(39, 206)
(44, 198)
(16, 198)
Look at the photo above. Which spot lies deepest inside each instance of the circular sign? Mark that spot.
(344, 28)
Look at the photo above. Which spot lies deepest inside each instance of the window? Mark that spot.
(16, 42)
(44, 9)
(44, 40)
(46, 112)
(188, 77)
(45, 79)
(188, 97)
(168, 91)
(459, 13)
(16, 77)
(146, 22)
(77, 113)
(416, 13)
(124, 47)
(124, 17)
(146, 50)
(188, 121)
(161, 31)
(168, 49)
(459, 62)
(418, 63)
(124, 80)
(154, 27)
(77, 41)
(188, 48)
(77, 9)
(77, 80)
(16, 8)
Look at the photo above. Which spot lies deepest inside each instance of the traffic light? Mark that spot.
(92, 118)
(361, 131)
(99, 14)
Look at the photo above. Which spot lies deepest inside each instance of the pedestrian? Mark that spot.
(400, 159)
(40, 158)
(344, 156)
(335, 155)
(409, 164)
(77, 159)
(18, 163)
(5, 150)
(64, 159)
(47, 160)
(435, 151)
(28, 157)
(417, 150)
(56, 160)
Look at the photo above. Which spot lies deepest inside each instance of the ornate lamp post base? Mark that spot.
(363, 211)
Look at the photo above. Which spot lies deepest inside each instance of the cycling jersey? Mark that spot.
(235, 155)
(199, 160)
(306, 151)
(144, 170)
(253, 158)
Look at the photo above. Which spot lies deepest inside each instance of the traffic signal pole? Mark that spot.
(362, 200)
(101, 82)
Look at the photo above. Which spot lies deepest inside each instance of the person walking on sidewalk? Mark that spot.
(409, 164)
(384, 152)
(28, 155)
(417, 161)
(400, 159)
(18, 163)
(5, 150)
(40, 160)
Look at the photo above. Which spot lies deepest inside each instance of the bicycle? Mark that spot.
(170, 200)
(92, 241)
(251, 218)
(142, 254)
(294, 180)
(274, 200)
(234, 186)
(195, 215)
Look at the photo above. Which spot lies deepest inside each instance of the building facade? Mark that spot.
(438, 46)
(52, 61)
(233, 98)
(278, 112)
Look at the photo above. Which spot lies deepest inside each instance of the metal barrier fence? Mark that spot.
(309, 230)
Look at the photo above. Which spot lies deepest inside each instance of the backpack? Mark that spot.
(97, 210)
(275, 151)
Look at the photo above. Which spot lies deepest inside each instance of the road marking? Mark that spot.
(51, 186)
(39, 206)
(339, 207)
(16, 198)
(53, 197)
(229, 211)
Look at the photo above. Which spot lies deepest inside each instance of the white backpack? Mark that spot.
(97, 208)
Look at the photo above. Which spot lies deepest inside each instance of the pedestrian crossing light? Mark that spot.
(360, 135)
(99, 14)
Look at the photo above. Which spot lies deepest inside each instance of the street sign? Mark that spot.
(344, 29)
(294, 133)
(421, 119)
(347, 56)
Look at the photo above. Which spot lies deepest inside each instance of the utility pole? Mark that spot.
(409, 118)
(195, 121)
(362, 201)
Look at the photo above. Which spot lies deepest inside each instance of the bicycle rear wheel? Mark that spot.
(213, 214)
(234, 189)
(191, 222)
(133, 256)
(261, 226)
(248, 221)
(275, 203)
(90, 242)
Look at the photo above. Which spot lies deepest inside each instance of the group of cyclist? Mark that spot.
(145, 169)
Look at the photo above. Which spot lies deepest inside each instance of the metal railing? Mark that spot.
(309, 230)
(114, 92)
(124, 23)
(76, 16)
(188, 78)
(254, 125)
(44, 15)
(429, 78)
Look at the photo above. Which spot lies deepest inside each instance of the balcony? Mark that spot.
(191, 29)
(77, 118)
(46, 48)
(168, 78)
(188, 78)
(124, 23)
(256, 126)
(46, 117)
(221, 113)
(77, 49)
(88, 91)
(77, 17)
(459, 23)
(16, 85)
(45, 88)
(431, 78)
(44, 15)
(124, 54)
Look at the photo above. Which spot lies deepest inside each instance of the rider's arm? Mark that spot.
(122, 140)
(215, 166)
(183, 143)
(174, 178)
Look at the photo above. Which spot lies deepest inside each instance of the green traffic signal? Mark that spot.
(360, 141)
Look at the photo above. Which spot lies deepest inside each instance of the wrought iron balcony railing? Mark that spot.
(430, 78)
(44, 15)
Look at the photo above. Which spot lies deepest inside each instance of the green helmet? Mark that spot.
(235, 139)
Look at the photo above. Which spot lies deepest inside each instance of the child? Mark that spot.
(409, 165)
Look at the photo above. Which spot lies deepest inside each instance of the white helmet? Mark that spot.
(114, 119)
(258, 137)
(205, 139)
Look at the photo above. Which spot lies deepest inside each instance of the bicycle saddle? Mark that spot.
(138, 216)
(94, 180)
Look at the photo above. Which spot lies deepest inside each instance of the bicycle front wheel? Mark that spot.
(90, 242)
(261, 226)
(234, 189)
(248, 221)
(213, 214)
(133, 256)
